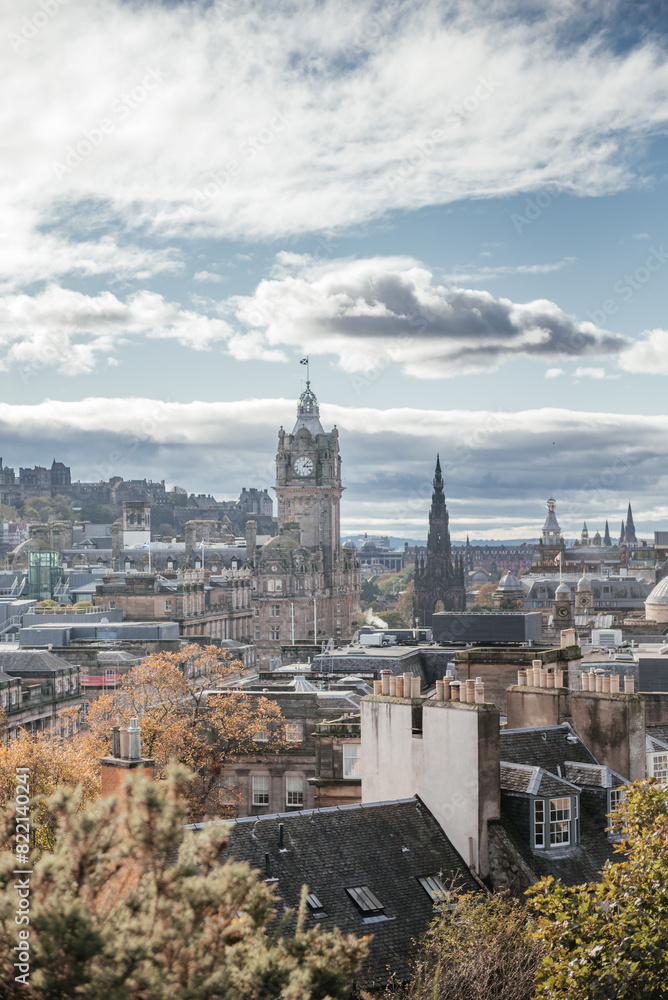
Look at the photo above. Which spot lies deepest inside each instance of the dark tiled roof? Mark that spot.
(658, 732)
(518, 777)
(386, 846)
(547, 747)
(592, 775)
(533, 780)
(522, 866)
(38, 662)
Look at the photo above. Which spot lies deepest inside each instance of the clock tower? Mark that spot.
(308, 483)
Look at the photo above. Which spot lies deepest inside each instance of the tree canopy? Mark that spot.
(178, 721)
(132, 906)
(478, 947)
(609, 939)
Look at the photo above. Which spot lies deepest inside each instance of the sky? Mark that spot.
(456, 210)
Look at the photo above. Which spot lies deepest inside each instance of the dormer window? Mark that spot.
(555, 822)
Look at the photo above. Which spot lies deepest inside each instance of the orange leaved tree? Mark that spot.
(182, 718)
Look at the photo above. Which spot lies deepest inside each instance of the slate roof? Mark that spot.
(575, 866)
(41, 663)
(386, 846)
(592, 775)
(658, 732)
(533, 780)
(545, 746)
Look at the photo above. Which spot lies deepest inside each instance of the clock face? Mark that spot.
(584, 601)
(562, 612)
(304, 466)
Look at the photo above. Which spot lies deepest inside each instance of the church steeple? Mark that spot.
(622, 537)
(630, 528)
(606, 537)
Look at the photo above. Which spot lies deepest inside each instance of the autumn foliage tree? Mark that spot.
(181, 719)
(609, 939)
(132, 906)
(478, 947)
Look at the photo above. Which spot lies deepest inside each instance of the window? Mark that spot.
(15, 696)
(352, 761)
(111, 605)
(338, 607)
(539, 823)
(260, 785)
(313, 902)
(658, 766)
(256, 633)
(274, 631)
(294, 790)
(170, 563)
(366, 900)
(274, 610)
(168, 605)
(4, 699)
(433, 886)
(560, 821)
(228, 795)
(261, 736)
(294, 732)
(617, 796)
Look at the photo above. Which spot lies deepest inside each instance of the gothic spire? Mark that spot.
(606, 537)
(438, 477)
(630, 528)
(622, 537)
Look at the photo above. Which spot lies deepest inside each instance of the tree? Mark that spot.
(477, 948)
(393, 619)
(609, 939)
(178, 721)
(368, 594)
(97, 513)
(53, 761)
(8, 513)
(44, 509)
(484, 596)
(404, 605)
(132, 906)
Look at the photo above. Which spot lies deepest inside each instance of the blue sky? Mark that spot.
(457, 210)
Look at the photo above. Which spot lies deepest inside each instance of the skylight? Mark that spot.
(365, 900)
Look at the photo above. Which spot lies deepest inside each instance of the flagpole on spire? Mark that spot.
(304, 361)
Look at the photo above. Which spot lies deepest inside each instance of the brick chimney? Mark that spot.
(125, 756)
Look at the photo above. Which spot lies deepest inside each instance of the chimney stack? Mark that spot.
(125, 756)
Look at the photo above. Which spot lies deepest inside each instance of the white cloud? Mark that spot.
(554, 372)
(489, 273)
(242, 121)
(648, 356)
(73, 332)
(641, 236)
(207, 276)
(387, 311)
(597, 373)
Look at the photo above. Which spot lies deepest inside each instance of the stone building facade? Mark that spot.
(306, 585)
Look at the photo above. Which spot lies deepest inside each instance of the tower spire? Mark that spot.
(606, 537)
(630, 528)
(438, 476)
